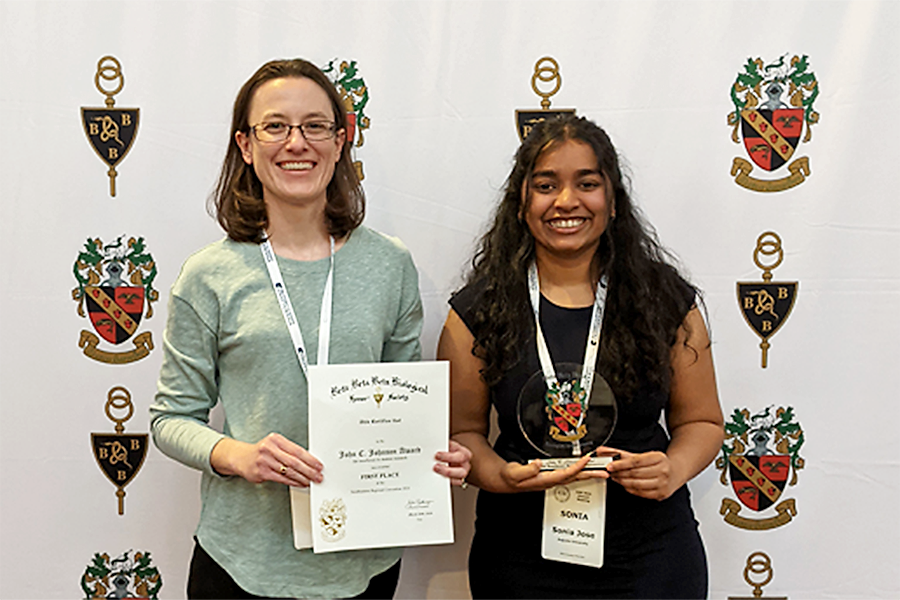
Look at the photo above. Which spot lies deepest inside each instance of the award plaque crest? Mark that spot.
(773, 104)
(111, 131)
(546, 71)
(761, 457)
(119, 455)
(115, 284)
(563, 423)
(767, 305)
(758, 573)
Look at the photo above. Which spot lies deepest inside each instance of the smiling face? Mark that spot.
(294, 171)
(566, 207)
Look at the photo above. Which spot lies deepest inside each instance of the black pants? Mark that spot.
(209, 580)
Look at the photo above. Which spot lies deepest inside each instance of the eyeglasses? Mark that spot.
(312, 131)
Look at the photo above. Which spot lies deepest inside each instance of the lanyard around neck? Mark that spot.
(593, 342)
(284, 301)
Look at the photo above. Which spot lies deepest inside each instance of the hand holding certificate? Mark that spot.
(376, 428)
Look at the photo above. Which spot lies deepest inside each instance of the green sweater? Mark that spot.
(226, 341)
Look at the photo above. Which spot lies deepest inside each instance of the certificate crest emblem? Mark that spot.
(115, 285)
(110, 131)
(546, 82)
(119, 455)
(767, 305)
(773, 106)
(333, 519)
(355, 94)
(761, 457)
(122, 577)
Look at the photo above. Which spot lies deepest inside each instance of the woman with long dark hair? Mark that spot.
(566, 242)
(292, 206)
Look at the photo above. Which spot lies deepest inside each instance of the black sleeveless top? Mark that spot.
(508, 526)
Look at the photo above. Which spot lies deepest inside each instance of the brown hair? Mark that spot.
(237, 201)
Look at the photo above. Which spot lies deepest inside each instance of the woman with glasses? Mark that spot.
(292, 206)
(571, 299)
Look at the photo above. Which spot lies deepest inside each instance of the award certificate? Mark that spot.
(376, 428)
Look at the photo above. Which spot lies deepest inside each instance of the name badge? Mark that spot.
(575, 523)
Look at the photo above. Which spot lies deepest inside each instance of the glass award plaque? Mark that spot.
(565, 423)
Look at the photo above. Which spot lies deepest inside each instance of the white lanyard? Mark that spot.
(287, 310)
(591, 349)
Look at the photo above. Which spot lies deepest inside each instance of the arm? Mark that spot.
(694, 419)
(470, 422)
(188, 390)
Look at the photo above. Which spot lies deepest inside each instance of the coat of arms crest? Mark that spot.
(355, 94)
(115, 285)
(566, 406)
(761, 457)
(121, 577)
(773, 105)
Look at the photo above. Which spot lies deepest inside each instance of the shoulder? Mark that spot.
(672, 297)
(383, 244)
(370, 253)
(218, 254)
(465, 300)
(219, 263)
(684, 294)
(671, 285)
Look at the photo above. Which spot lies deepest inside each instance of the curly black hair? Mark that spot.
(647, 300)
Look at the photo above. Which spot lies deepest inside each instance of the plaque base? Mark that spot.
(596, 463)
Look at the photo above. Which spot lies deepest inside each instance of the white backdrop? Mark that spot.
(444, 79)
